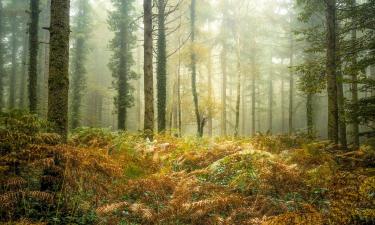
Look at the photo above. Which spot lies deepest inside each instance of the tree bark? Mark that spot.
(33, 54)
(291, 87)
(354, 86)
(309, 114)
(238, 99)
(270, 100)
(210, 94)
(253, 94)
(2, 52)
(200, 121)
(162, 67)
(282, 106)
(13, 75)
(21, 103)
(148, 74)
(58, 81)
(331, 70)
(224, 90)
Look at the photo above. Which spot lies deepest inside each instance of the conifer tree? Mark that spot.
(121, 22)
(58, 80)
(81, 31)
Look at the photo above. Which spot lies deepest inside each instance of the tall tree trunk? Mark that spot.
(270, 100)
(2, 52)
(58, 81)
(23, 81)
(282, 106)
(224, 90)
(139, 88)
(148, 75)
(238, 99)
(210, 97)
(77, 83)
(354, 88)
(341, 109)
(79, 60)
(179, 96)
(332, 71)
(123, 70)
(291, 86)
(309, 114)
(162, 67)
(253, 95)
(33, 51)
(200, 121)
(340, 93)
(13, 75)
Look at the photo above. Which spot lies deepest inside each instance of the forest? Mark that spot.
(187, 112)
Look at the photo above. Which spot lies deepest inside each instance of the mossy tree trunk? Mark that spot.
(161, 67)
(354, 84)
(33, 54)
(2, 52)
(148, 68)
(58, 81)
(331, 71)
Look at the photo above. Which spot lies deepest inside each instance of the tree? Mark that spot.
(161, 67)
(148, 74)
(331, 70)
(354, 85)
(58, 81)
(2, 52)
(33, 54)
(200, 121)
(22, 94)
(14, 40)
(81, 31)
(121, 22)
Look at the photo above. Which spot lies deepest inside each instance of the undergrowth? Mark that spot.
(104, 177)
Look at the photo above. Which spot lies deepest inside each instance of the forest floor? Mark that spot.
(121, 178)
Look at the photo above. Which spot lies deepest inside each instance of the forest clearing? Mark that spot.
(187, 112)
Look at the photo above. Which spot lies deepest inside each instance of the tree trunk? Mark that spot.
(331, 69)
(309, 114)
(13, 75)
(148, 75)
(291, 86)
(77, 83)
(33, 51)
(79, 60)
(23, 81)
(341, 109)
(282, 106)
(139, 88)
(200, 121)
(58, 82)
(354, 88)
(270, 100)
(238, 99)
(224, 91)
(253, 95)
(179, 93)
(162, 67)
(210, 98)
(2, 52)
(123, 70)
